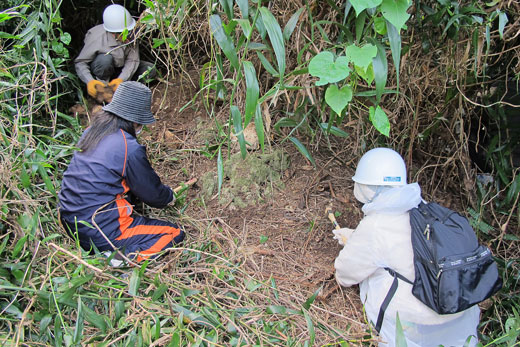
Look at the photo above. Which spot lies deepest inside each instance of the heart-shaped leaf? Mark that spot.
(338, 99)
(395, 12)
(360, 5)
(361, 56)
(379, 120)
(328, 70)
(367, 75)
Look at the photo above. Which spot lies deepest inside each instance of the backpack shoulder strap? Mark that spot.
(393, 288)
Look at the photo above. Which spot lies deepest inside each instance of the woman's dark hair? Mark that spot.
(103, 123)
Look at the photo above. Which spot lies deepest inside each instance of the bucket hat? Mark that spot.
(132, 101)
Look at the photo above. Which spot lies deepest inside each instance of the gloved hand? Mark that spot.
(342, 235)
(91, 87)
(115, 83)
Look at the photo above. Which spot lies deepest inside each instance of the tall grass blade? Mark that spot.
(303, 150)
(252, 91)
(395, 45)
(223, 40)
(239, 130)
(78, 330)
(380, 65)
(328, 128)
(266, 64)
(291, 24)
(400, 340)
(310, 328)
(243, 5)
(227, 5)
(135, 281)
(220, 170)
(259, 126)
(276, 37)
(502, 21)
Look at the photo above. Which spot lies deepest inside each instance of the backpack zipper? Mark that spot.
(427, 232)
(475, 259)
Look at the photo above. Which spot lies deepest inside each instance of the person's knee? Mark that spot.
(102, 66)
(145, 71)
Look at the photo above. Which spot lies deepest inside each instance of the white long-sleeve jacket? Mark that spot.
(383, 239)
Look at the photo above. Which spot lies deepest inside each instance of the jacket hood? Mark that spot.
(394, 200)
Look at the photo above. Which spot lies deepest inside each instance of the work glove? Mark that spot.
(115, 83)
(91, 87)
(342, 235)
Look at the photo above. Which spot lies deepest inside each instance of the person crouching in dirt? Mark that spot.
(383, 239)
(110, 164)
(106, 58)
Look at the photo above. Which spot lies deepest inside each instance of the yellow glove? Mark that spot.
(91, 87)
(115, 83)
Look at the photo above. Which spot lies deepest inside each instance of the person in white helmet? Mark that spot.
(105, 58)
(383, 239)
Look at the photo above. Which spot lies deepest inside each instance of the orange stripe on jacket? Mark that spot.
(157, 247)
(125, 211)
(126, 188)
(149, 230)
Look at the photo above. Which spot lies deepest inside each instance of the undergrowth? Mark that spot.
(54, 293)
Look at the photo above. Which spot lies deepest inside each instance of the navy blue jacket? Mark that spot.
(116, 166)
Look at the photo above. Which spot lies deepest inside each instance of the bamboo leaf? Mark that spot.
(243, 5)
(310, 327)
(135, 281)
(259, 126)
(223, 40)
(502, 21)
(285, 122)
(220, 170)
(158, 293)
(360, 25)
(400, 339)
(276, 37)
(252, 91)
(291, 24)
(19, 246)
(99, 321)
(46, 179)
(395, 45)
(266, 64)
(246, 27)
(307, 304)
(78, 330)
(380, 65)
(333, 130)
(303, 150)
(239, 130)
(227, 5)
(119, 310)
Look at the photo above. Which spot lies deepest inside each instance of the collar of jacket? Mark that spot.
(112, 41)
(395, 201)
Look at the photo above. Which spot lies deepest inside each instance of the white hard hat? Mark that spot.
(381, 167)
(116, 19)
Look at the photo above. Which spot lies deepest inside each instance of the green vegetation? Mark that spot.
(303, 72)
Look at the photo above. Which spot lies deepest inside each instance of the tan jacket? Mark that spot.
(99, 41)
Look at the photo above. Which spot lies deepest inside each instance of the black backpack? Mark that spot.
(452, 270)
